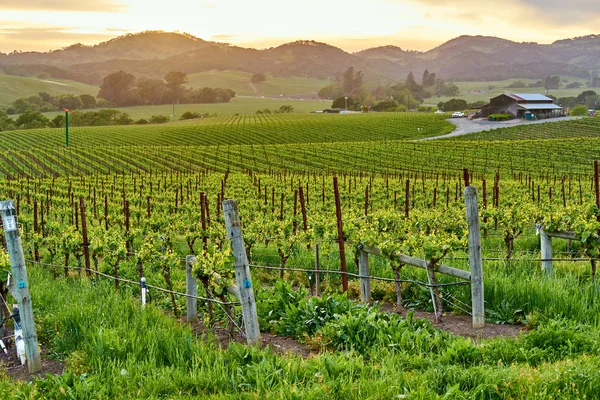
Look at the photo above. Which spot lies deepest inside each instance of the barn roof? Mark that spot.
(529, 97)
(527, 106)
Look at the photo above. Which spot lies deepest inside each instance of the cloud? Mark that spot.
(223, 37)
(63, 5)
(46, 38)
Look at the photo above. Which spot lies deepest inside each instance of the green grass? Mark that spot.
(14, 87)
(485, 90)
(237, 105)
(239, 82)
(114, 350)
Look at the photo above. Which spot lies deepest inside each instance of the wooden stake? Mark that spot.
(242, 272)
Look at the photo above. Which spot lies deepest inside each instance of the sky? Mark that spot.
(42, 25)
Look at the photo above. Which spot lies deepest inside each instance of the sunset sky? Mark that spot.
(43, 25)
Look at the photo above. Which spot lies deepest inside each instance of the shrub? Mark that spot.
(141, 121)
(158, 119)
(499, 117)
(579, 111)
(189, 115)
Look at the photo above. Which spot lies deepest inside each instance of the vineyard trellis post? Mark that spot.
(365, 282)
(191, 288)
(242, 272)
(20, 289)
(546, 249)
(475, 261)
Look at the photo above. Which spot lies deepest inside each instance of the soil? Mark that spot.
(11, 366)
(459, 325)
(462, 325)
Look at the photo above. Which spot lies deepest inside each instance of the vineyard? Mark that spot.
(147, 197)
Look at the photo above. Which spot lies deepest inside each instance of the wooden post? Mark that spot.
(21, 285)
(191, 289)
(475, 262)
(546, 248)
(363, 271)
(84, 235)
(338, 213)
(242, 271)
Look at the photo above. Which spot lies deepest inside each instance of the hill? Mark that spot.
(14, 87)
(154, 53)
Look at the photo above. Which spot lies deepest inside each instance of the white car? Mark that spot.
(458, 114)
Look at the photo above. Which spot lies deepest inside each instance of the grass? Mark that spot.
(485, 90)
(237, 105)
(114, 350)
(14, 87)
(239, 82)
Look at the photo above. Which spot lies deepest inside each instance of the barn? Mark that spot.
(520, 104)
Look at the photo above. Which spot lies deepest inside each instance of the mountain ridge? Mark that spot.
(471, 57)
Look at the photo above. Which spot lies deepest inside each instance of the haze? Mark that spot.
(43, 25)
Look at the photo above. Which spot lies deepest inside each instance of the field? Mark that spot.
(14, 87)
(239, 82)
(153, 195)
(485, 90)
(237, 105)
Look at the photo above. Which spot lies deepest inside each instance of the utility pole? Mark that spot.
(20, 289)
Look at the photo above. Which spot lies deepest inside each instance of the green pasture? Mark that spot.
(237, 105)
(14, 87)
(485, 90)
(240, 83)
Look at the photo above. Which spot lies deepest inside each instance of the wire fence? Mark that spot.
(128, 281)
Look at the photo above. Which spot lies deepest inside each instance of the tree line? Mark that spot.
(124, 89)
(348, 91)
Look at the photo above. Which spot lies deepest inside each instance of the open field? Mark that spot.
(14, 87)
(484, 91)
(153, 195)
(274, 86)
(237, 105)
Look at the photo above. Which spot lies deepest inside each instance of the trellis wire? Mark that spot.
(160, 289)
(377, 278)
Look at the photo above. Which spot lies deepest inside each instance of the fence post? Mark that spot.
(363, 271)
(546, 249)
(242, 271)
(21, 285)
(475, 262)
(191, 289)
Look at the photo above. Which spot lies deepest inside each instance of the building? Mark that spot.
(521, 105)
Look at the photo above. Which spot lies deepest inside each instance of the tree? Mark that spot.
(31, 120)
(332, 91)
(174, 81)
(428, 79)
(152, 91)
(341, 102)
(87, 101)
(117, 87)
(454, 105)
(411, 83)
(352, 82)
(70, 102)
(579, 110)
(552, 82)
(258, 78)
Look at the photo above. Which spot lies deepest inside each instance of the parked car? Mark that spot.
(458, 114)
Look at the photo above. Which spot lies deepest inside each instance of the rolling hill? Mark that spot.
(154, 53)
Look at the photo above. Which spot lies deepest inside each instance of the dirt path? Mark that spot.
(465, 126)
